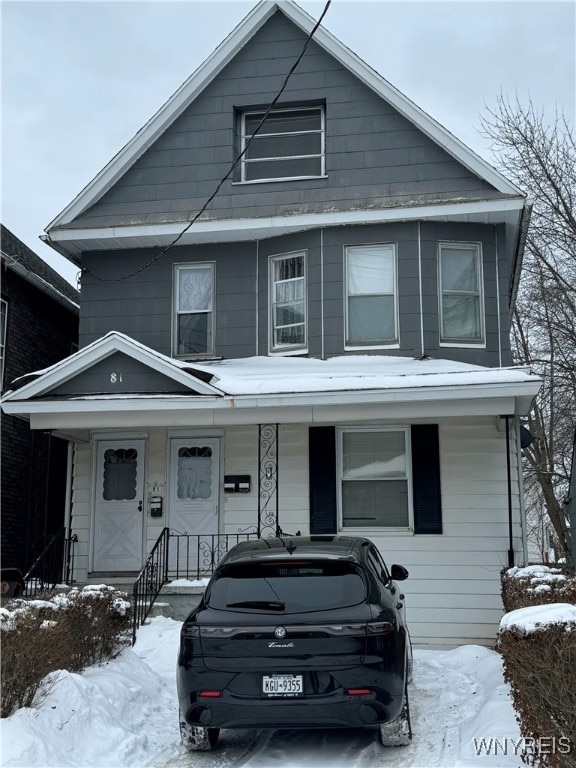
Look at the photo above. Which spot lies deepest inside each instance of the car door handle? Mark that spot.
(139, 506)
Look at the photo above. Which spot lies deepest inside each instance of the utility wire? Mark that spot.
(87, 271)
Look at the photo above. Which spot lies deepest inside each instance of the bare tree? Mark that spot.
(540, 157)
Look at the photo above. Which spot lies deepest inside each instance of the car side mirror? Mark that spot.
(398, 573)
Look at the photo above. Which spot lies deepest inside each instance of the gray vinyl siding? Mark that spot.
(120, 374)
(374, 156)
(141, 305)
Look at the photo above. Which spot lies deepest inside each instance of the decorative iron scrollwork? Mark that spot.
(268, 501)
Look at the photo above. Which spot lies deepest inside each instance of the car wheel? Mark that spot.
(409, 662)
(197, 738)
(398, 733)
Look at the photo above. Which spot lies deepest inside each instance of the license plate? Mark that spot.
(282, 685)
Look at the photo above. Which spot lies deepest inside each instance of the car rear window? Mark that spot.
(295, 587)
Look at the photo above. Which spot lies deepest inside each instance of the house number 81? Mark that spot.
(115, 377)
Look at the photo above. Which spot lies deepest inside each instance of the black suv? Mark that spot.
(302, 632)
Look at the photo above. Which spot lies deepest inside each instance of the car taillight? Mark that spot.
(381, 627)
(210, 694)
(358, 691)
(190, 631)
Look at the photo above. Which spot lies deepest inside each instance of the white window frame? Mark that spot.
(463, 342)
(176, 312)
(3, 342)
(286, 349)
(244, 140)
(384, 343)
(340, 432)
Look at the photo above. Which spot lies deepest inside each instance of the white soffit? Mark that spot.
(76, 241)
(221, 56)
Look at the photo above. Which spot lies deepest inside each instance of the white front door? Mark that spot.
(194, 498)
(118, 507)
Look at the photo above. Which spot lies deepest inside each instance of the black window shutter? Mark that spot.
(426, 479)
(322, 467)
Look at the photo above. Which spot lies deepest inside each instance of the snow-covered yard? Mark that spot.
(124, 713)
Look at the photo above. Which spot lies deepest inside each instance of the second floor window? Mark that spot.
(290, 144)
(288, 302)
(194, 310)
(461, 302)
(371, 310)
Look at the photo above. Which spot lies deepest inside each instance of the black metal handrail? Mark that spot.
(150, 581)
(54, 565)
(195, 556)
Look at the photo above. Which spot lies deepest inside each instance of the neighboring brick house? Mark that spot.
(39, 328)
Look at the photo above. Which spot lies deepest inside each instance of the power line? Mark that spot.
(149, 263)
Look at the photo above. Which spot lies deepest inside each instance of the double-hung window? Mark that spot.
(288, 145)
(194, 310)
(288, 302)
(374, 477)
(371, 310)
(461, 298)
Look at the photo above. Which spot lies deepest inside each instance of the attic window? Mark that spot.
(289, 145)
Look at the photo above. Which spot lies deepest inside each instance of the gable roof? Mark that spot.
(23, 261)
(43, 381)
(222, 55)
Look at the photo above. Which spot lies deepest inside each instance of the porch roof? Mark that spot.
(283, 389)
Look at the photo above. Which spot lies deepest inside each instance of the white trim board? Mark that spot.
(75, 241)
(222, 55)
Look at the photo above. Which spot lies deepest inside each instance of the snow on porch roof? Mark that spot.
(286, 375)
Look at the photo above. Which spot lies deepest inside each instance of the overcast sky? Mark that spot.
(79, 78)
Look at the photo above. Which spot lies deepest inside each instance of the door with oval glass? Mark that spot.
(118, 507)
(194, 501)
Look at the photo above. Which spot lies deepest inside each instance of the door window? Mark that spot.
(120, 468)
(194, 479)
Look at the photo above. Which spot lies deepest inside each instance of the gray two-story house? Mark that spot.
(325, 349)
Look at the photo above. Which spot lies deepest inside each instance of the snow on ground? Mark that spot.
(124, 713)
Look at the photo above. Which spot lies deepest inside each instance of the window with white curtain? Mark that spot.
(461, 297)
(371, 296)
(374, 477)
(288, 302)
(194, 310)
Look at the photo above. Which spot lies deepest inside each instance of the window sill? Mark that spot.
(197, 358)
(376, 530)
(288, 352)
(274, 181)
(464, 344)
(361, 347)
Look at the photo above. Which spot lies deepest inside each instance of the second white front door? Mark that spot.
(194, 490)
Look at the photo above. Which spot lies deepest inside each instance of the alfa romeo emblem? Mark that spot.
(280, 632)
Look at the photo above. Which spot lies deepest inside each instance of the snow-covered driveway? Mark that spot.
(125, 713)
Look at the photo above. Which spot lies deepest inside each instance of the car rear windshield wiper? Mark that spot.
(271, 604)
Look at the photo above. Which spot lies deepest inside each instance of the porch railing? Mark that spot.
(150, 581)
(54, 565)
(178, 555)
(194, 557)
